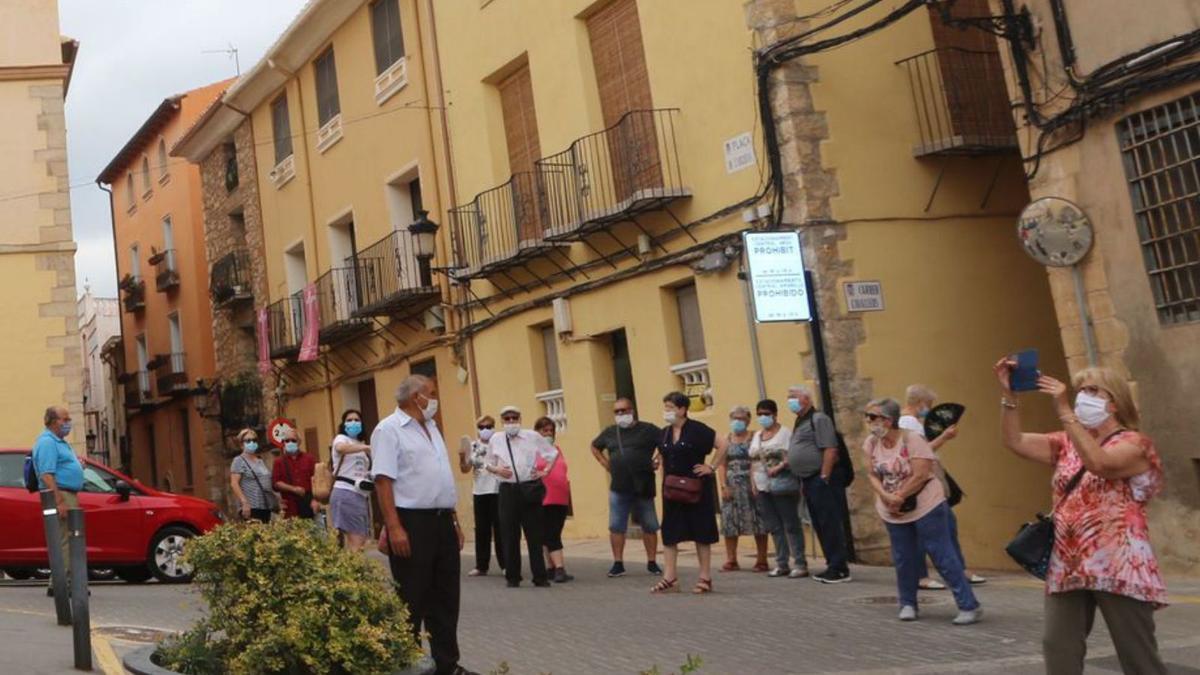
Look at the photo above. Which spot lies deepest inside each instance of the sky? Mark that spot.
(132, 55)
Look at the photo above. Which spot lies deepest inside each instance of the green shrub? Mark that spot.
(284, 599)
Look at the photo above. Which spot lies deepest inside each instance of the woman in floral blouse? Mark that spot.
(1102, 556)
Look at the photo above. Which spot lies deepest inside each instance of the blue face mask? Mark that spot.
(794, 405)
(766, 421)
(291, 447)
(923, 413)
(738, 426)
(64, 429)
(250, 446)
(353, 428)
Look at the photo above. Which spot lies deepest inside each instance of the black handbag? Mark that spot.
(1034, 543)
(532, 491)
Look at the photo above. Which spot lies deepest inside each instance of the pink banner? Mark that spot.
(264, 342)
(310, 344)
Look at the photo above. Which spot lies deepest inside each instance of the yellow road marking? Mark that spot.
(106, 656)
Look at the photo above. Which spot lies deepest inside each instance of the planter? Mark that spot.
(138, 662)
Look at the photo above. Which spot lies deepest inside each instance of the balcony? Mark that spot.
(693, 376)
(555, 406)
(961, 103)
(501, 228)
(391, 279)
(338, 293)
(137, 390)
(285, 319)
(166, 270)
(134, 294)
(172, 374)
(230, 280)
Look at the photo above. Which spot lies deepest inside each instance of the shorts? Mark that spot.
(349, 511)
(619, 507)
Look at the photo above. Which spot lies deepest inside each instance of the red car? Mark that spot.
(135, 530)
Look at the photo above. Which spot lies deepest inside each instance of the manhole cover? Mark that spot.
(134, 634)
(893, 600)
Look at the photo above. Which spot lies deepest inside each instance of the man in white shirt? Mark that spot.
(415, 485)
(511, 457)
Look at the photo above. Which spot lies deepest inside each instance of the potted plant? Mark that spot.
(285, 599)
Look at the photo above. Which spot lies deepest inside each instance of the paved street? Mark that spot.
(752, 624)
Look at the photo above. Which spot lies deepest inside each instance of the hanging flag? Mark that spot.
(310, 344)
(264, 341)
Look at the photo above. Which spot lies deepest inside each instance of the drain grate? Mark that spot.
(873, 600)
(134, 633)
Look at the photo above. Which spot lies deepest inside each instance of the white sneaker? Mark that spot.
(909, 613)
(798, 573)
(778, 572)
(976, 580)
(968, 617)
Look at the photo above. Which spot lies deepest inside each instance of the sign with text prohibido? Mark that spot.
(864, 296)
(777, 276)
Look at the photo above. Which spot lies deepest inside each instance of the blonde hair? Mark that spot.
(919, 393)
(242, 434)
(1116, 386)
(739, 411)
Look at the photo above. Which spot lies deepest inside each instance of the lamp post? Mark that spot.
(424, 234)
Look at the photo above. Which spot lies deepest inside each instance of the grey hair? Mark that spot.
(244, 432)
(888, 407)
(919, 392)
(802, 389)
(739, 411)
(409, 386)
(51, 415)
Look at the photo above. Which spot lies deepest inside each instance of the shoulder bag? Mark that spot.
(532, 491)
(268, 495)
(681, 489)
(1034, 543)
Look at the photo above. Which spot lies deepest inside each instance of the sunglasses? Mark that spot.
(481, 427)
(622, 411)
(872, 417)
(511, 419)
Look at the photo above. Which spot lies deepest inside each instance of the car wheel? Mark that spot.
(19, 573)
(166, 555)
(134, 575)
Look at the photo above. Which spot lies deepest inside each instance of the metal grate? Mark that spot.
(1161, 149)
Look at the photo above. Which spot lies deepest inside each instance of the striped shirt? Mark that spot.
(252, 489)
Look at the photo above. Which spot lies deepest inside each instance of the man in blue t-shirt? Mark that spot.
(59, 471)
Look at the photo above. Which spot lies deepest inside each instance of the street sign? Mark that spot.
(278, 430)
(863, 296)
(739, 153)
(777, 276)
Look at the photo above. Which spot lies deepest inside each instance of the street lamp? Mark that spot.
(424, 234)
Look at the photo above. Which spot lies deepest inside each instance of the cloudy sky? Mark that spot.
(133, 54)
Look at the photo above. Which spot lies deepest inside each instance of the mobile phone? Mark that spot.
(1025, 374)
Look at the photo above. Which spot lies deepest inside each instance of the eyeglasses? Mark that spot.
(872, 417)
(622, 411)
(481, 427)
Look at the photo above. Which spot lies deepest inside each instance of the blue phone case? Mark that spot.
(1025, 375)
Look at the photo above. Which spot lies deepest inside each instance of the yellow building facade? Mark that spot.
(39, 338)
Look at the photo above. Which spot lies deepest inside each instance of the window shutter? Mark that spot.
(550, 350)
(281, 126)
(386, 33)
(521, 136)
(690, 326)
(327, 94)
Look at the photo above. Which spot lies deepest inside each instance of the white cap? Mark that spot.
(509, 409)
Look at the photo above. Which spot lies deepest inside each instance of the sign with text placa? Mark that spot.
(777, 276)
(863, 296)
(739, 153)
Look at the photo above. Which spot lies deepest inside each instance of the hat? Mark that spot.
(510, 409)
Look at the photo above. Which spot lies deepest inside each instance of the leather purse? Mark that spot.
(532, 491)
(682, 489)
(1034, 543)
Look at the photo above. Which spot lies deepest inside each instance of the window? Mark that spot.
(129, 192)
(550, 353)
(1161, 148)
(135, 261)
(95, 481)
(168, 234)
(327, 93)
(281, 127)
(145, 174)
(385, 30)
(414, 195)
(690, 326)
(12, 470)
(162, 158)
(176, 333)
(404, 201)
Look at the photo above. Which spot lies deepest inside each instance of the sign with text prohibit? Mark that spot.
(777, 276)
(864, 296)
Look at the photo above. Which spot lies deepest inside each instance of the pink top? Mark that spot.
(558, 486)
(1101, 540)
(893, 467)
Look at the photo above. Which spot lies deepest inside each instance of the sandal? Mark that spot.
(666, 586)
(702, 586)
(761, 567)
(731, 567)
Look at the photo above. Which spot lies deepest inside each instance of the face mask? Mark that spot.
(512, 429)
(738, 426)
(1092, 411)
(291, 447)
(794, 405)
(766, 421)
(923, 413)
(624, 421)
(485, 435)
(64, 429)
(878, 430)
(250, 446)
(430, 409)
(353, 428)
(669, 416)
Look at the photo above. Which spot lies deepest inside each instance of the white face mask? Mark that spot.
(1092, 411)
(430, 409)
(878, 430)
(512, 429)
(624, 421)
(485, 435)
(669, 416)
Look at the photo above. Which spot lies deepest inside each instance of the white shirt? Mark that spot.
(419, 466)
(527, 446)
(775, 450)
(485, 482)
(911, 423)
(355, 466)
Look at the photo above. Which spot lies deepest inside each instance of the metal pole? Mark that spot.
(81, 626)
(58, 576)
(1085, 316)
(755, 355)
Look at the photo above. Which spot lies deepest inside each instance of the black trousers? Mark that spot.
(516, 517)
(556, 518)
(826, 511)
(487, 530)
(428, 581)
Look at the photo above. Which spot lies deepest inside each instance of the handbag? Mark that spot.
(532, 491)
(682, 489)
(268, 495)
(1034, 543)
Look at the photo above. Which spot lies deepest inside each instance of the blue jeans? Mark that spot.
(928, 535)
(953, 539)
(781, 516)
(621, 504)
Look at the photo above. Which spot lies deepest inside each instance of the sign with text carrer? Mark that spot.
(777, 276)
(863, 296)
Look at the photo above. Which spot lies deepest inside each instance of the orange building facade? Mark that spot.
(166, 313)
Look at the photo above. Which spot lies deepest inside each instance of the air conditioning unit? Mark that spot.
(562, 316)
(435, 320)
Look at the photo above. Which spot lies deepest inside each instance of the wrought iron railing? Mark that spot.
(166, 270)
(500, 225)
(137, 389)
(172, 374)
(338, 293)
(390, 278)
(285, 322)
(961, 103)
(230, 279)
(135, 294)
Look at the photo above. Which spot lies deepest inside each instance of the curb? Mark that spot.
(138, 662)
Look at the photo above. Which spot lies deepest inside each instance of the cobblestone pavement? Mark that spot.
(751, 624)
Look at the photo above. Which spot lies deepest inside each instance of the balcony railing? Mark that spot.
(230, 279)
(134, 298)
(501, 227)
(391, 280)
(693, 376)
(285, 319)
(172, 374)
(166, 271)
(555, 407)
(137, 390)
(961, 103)
(338, 293)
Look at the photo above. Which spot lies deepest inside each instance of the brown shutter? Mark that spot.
(521, 135)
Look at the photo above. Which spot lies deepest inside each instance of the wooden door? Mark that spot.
(521, 135)
(619, 60)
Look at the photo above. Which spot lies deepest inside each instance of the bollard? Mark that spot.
(81, 626)
(58, 576)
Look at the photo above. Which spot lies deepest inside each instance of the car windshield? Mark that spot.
(98, 481)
